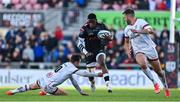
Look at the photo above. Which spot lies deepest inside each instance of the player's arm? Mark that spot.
(75, 84)
(145, 28)
(81, 42)
(127, 45)
(88, 74)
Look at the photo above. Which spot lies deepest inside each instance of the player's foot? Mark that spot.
(109, 89)
(93, 88)
(156, 88)
(166, 92)
(42, 93)
(9, 93)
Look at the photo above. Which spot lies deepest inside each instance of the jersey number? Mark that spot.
(57, 69)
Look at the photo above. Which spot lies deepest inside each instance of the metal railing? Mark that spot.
(51, 65)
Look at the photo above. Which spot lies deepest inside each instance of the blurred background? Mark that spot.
(36, 35)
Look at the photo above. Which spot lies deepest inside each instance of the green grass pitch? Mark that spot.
(101, 95)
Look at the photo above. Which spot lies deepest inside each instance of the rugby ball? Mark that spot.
(103, 34)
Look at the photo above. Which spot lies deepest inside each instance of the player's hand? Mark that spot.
(108, 37)
(100, 74)
(89, 54)
(84, 94)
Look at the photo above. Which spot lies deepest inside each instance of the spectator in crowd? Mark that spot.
(65, 5)
(177, 35)
(7, 52)
(162, 5)
(38, 29)
(73, 14)
(28, 53)
(116, 6)
(112, 29)
(32, 40)
(58, 33)
(38, 52)
(142, 4)
(16, 55)
(18, 42)
(6, 3)
(69, 48)
(53, 3)
(22, 33)
(164, 36)
(119, 36)
(59, 55)
(2, 47)
(10, 35)
(152, 5)
(49, 42)
(81, 3)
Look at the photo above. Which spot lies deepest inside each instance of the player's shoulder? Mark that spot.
(140, 20)
(101, 23)
(67, 64)
(127, 28)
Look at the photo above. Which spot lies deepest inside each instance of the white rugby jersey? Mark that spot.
(139, 41)
(64, 72)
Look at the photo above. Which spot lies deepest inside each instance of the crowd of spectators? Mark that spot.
(38, 4)
(151, 5)
(43, 46)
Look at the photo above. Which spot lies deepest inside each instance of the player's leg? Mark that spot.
(157, 68)
(141, 59)
(24, 88)
(91, 64)
(52, 91)
(101, 60)
(92, 79)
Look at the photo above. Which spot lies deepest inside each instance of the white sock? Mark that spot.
(149, 74)
(163, 80)
(107, 80)
(21, 89)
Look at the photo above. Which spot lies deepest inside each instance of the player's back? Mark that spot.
(61, 73)
(139, 41)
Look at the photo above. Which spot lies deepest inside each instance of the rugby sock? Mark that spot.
(91, 79)
(107, 81)
(163, 79)
(21, 89)
(148, 73)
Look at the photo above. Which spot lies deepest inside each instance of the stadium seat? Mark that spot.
(45, 6)
(37, 6)
(33, 2)
(15, 1)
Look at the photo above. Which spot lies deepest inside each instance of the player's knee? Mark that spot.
(101, 59)
(101, 62)
(143, 66)
(50, 89)
(91, 79)
(33, 86)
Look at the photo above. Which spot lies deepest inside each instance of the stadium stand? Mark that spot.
(51, 43)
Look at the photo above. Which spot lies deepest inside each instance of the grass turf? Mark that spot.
(100, 95)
